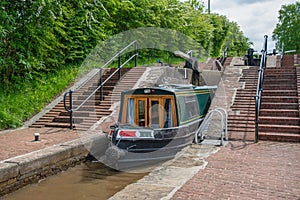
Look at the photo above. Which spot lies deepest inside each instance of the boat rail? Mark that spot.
(200, 133)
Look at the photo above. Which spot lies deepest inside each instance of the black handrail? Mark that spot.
(70, 109)
(260, 82)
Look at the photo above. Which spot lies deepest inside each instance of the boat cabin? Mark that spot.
(165, 106)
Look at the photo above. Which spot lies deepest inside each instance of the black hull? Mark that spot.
(126, 154)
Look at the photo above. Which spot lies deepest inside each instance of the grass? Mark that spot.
(30, 97)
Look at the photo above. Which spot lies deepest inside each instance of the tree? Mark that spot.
(236, 42)
(287, 29)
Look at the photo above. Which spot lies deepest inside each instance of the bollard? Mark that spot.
(36, 137)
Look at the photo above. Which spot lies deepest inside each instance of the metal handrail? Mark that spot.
(224, 130)
(260, 82)
(70, 109)
(220, 61)
(281, 56)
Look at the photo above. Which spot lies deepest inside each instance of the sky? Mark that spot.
(255, 17)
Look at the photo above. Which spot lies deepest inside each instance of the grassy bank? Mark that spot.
(28, 97)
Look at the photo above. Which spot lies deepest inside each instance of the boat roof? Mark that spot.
(173, 88)
(187, 86)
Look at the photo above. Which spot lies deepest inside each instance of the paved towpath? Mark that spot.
(21, 141)
(266, 170)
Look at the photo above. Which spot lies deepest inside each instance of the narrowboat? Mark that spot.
(155, 123)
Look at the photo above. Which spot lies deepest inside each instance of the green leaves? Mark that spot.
(42, 38)
(287, 28)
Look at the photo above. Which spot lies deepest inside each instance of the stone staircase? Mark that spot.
(227, 61)
(212, 65)
(279, 114)
(241, 117)
(93, 109)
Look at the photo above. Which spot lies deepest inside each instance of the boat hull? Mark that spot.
(129, 153)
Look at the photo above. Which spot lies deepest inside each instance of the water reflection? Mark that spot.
(90, 180)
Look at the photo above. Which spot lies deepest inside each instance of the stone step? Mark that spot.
(37, 125)
(282, 86)
(278, 105)
(280, 76)
(248, 93)
(279, 81)
(248, 79)
(280, 137)
(279, 112)
(244, 113)
(245, 95)
(279, 120)
(280, 99)
(104, 87)
(239, 118)
(241, 129)
(274, 128)
(279, 93)
(239, 101)
(242, 125)
(66, 119)
(243, 108)
(94, 109)
(278, 71)
(59, 125)
(86, 94)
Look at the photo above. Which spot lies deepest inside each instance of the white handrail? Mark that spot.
(200, 133)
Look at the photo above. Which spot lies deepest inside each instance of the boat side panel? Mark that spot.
(192, 105)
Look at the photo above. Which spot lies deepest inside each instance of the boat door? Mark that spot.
(150, 111)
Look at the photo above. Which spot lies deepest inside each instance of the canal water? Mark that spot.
(87, 181)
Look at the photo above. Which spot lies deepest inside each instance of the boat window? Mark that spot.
(141, 113)
(130, 111)
(157, 111)
(168, 117)
(188, 107)
(154, 114)
(191, 106)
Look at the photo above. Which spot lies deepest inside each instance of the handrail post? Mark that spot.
(100, 84)
(119, 66)
(136, 53)
(260, 82)
(256, 118)
(266, 45)
(71, 109)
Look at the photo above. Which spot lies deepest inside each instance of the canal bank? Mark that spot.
(29, 168)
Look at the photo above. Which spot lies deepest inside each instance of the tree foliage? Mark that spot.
(287, 29)
(42, 42)
(43, 36)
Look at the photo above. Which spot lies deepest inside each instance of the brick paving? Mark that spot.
(21, 141)
(265, 170)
